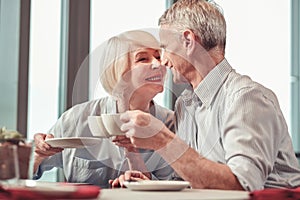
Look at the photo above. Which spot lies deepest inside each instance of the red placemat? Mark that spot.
(81, 192)
(276, 194)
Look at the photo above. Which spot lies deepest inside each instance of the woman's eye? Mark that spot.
(141, 59)
(157, 57)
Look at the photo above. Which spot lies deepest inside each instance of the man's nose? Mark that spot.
(165, 62)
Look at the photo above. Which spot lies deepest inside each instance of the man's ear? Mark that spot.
(189, 40)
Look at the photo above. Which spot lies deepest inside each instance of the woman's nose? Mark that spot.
(155, 64)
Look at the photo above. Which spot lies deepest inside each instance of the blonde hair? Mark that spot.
(204, 18)
(115, 56)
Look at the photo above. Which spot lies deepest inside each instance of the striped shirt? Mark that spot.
(233, 120)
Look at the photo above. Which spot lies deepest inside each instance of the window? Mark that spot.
(44, 58)
(9, 57)
(258, 44)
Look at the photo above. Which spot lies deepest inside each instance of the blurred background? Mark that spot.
(46, 47)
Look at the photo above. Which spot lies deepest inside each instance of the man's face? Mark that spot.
(173, 55)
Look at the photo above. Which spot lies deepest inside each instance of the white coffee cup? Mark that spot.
(105, 125)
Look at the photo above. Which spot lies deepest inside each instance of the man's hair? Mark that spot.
(204, 18)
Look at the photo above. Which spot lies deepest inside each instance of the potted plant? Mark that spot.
(13, 137)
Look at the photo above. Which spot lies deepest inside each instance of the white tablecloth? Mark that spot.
(186, 194)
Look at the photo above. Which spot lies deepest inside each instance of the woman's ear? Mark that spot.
(189, 40)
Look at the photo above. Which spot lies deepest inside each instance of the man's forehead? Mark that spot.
(165, 30)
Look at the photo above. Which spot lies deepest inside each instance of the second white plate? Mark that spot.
(73, 142)
(156, 185)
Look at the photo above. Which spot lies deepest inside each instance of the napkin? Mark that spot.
(81, 192)
(276, 194)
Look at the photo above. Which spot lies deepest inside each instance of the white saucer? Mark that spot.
(156, 185)
(73, 142)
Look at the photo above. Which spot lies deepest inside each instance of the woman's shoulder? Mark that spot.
(92, 107)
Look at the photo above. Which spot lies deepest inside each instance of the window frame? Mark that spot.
(295, 74)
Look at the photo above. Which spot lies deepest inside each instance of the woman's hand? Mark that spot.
(123, 141)
(42, 149)
(128, 176)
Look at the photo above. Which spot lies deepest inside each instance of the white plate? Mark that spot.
(73, 142)
(156, 185)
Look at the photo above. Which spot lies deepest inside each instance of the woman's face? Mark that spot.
(145, 76)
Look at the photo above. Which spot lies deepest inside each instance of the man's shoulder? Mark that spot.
(239, 85)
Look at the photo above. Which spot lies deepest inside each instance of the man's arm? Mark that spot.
(192, 167)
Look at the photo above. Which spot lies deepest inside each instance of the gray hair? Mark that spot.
(204, 18)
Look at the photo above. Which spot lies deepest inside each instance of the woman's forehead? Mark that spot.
(146, 49)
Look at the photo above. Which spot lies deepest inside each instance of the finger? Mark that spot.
(127, 146)
(49, 136)
(139, 176)
(126, 126)
(121, 140)
(127, 175)
(125, 117)
(115, 183)
(127, 141)
(130, 133)
(121, 180)
(120, 137)
(39, 136)
(39, 140)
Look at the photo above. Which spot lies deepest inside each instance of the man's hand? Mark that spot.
(144, 130)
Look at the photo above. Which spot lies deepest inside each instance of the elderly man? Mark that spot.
(231, 133)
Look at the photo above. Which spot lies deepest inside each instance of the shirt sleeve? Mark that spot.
(163, 171)
(48, 164)
(54, 160)
(251, 135)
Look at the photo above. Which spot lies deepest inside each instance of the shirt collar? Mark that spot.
(211, 84)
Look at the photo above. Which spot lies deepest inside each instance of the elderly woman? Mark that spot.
(132, 74)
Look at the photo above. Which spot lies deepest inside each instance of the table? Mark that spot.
(186, 194)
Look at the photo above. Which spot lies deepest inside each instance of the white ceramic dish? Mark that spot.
(154, 185)
(73, 142)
